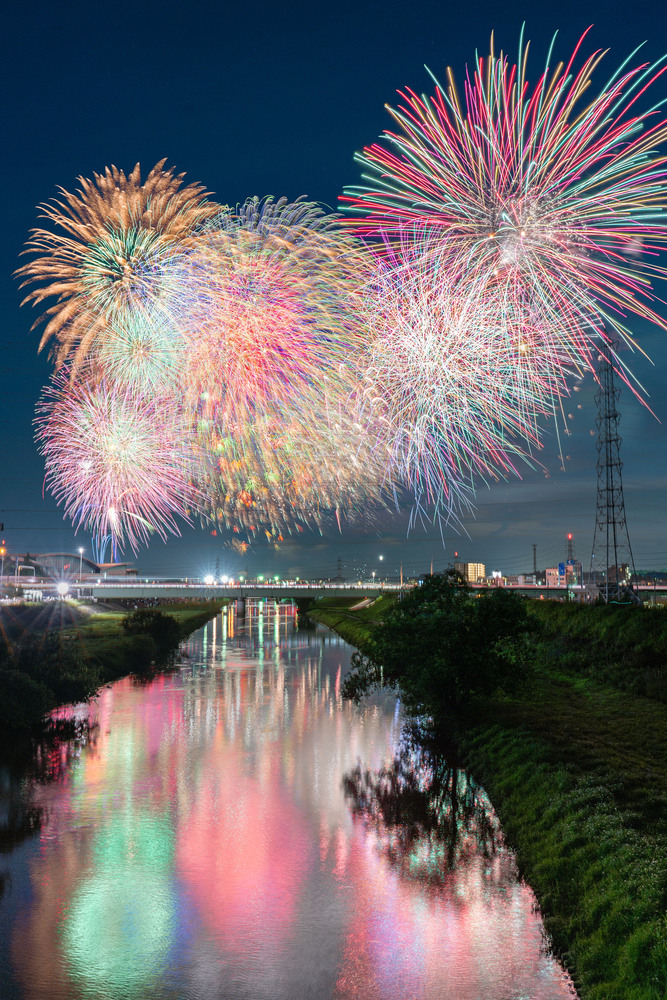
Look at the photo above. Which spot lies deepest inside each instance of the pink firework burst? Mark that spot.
(537, 195)
(119, 463)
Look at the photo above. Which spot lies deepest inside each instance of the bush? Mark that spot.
(56, 662)
(162, 629)
(22, 700)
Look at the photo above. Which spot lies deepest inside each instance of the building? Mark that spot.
(472, 572)
(567, 574)
(61, 565)
(554, 578)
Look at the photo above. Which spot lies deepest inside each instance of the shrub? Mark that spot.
(162, 629)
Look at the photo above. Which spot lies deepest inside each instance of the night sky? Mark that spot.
(259, 99)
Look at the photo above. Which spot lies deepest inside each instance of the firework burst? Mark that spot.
(453, 394)
(540, 199)
(270, 301)
(100, 264)
(141, 352)
(120, 463)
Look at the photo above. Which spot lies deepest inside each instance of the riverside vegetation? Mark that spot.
(558, 710)
(58, 654)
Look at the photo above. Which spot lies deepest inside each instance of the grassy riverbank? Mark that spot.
(60, 653)
(356, 627)
(577, 771)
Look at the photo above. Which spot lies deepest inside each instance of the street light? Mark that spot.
(80, 564)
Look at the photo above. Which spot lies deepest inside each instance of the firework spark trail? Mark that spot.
(537, 198)
(271, 307)
(99, 264)
(517, 228)
(141, 351)
(116, 461)
(454, 394)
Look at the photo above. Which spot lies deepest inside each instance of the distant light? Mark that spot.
(62, 588)
(260, 577)
(224, 579)
(81, 551)
(209, 580)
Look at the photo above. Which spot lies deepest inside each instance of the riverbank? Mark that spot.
(577, 772)
(63, 652)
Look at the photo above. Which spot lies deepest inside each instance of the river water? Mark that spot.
(210, 838)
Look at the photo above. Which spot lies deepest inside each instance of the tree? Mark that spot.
(442, 646)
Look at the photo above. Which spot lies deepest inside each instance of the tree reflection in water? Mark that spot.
(48, 758)
(431, 818)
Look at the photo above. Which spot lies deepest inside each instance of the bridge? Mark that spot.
(298, 591)
(106, 590)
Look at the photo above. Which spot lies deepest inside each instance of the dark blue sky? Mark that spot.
(275, 99)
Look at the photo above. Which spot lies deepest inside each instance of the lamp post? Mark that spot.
(80, 564)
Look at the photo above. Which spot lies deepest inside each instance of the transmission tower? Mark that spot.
(612, 564)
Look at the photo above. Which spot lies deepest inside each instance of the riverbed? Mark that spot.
(200, 841)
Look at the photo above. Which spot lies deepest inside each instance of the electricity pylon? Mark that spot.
(612, 563)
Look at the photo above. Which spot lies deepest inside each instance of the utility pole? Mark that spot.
(570, 576)
(611, 542)
(535, 561)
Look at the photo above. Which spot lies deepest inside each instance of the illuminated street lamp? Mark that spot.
(80, 564)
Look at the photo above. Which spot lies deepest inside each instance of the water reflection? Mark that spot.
(430, 817)
(201, 845)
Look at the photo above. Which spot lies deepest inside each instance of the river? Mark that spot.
(210, 838)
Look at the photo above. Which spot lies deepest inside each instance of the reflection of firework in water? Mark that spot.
(100, 264)
(532, 194)
(269, 301)
(453, 392)
(115, 460)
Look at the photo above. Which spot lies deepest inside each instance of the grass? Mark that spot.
(354, 626)
(623, 646)
(48, 659)
(578, 775)
(576, 767)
